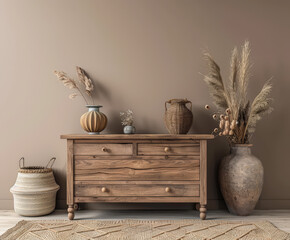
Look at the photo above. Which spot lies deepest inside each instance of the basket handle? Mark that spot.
(21, 160)
(51, 162)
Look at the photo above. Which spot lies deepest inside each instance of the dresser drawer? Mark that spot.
(152, 190)
(169, 149)
(103, 149)
(149, 168)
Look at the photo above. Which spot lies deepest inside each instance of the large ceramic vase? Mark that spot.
(178, 118)
(93, 121)
(241, 177)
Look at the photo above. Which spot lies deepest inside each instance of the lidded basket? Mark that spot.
(178, 118)
(35, 189)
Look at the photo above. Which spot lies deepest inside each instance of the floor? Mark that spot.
(280, 218)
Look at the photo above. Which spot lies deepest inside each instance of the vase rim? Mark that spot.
(242, 145)
(178, 100)
(94, 106)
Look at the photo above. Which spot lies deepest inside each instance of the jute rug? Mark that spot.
(144, 229)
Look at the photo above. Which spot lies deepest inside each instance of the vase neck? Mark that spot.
(241, 149)
(93, 108)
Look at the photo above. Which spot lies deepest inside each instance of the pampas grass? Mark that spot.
(231, 99)
(86, 84)
(68, 82)
(85, 81)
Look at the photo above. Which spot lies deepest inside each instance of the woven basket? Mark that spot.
(178, 118)
(35, 190)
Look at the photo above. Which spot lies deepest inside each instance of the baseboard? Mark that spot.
(213, 204)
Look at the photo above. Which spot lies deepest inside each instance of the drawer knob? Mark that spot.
(104, 189)
(104, 149)
(167, 189)
(166, 149)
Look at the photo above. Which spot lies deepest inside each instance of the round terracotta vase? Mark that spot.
(241, 177)
(93, 121)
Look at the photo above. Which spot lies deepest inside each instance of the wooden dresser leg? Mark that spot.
(202, 211)
(71, 211)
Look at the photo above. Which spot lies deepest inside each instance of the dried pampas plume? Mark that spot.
(68, 82)
(84, 80)
(240, 117)
(260, 106)
(215, 83)
(73, 95)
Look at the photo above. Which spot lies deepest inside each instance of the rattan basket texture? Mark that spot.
(35, 189)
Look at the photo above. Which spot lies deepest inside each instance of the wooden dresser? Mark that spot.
(136, 168)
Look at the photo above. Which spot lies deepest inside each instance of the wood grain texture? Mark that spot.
(103, 149)
(168, 149)
(135, 164)
(70, 173)
(129, 173)
(137, 168)
(123, 190)
(131, 157)
(161, 141)
(138, 136)
(143, 199)
(203, 172)
(203, 177)
(135, 182)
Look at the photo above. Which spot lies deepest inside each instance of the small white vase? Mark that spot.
(129, 129)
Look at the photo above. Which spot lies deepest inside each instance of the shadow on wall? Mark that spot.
(100, 91)
(114, 124)
(147, 126)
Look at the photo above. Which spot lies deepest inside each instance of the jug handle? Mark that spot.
(190, 105)
(21, 160)
(51, 162)
(166, 105)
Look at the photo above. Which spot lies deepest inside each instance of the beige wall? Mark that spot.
(139, 53)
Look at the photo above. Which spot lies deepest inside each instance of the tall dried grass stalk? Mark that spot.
(215, 84)
(84, 80)
(230, 97)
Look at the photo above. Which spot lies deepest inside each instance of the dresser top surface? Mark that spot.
(138, 136)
